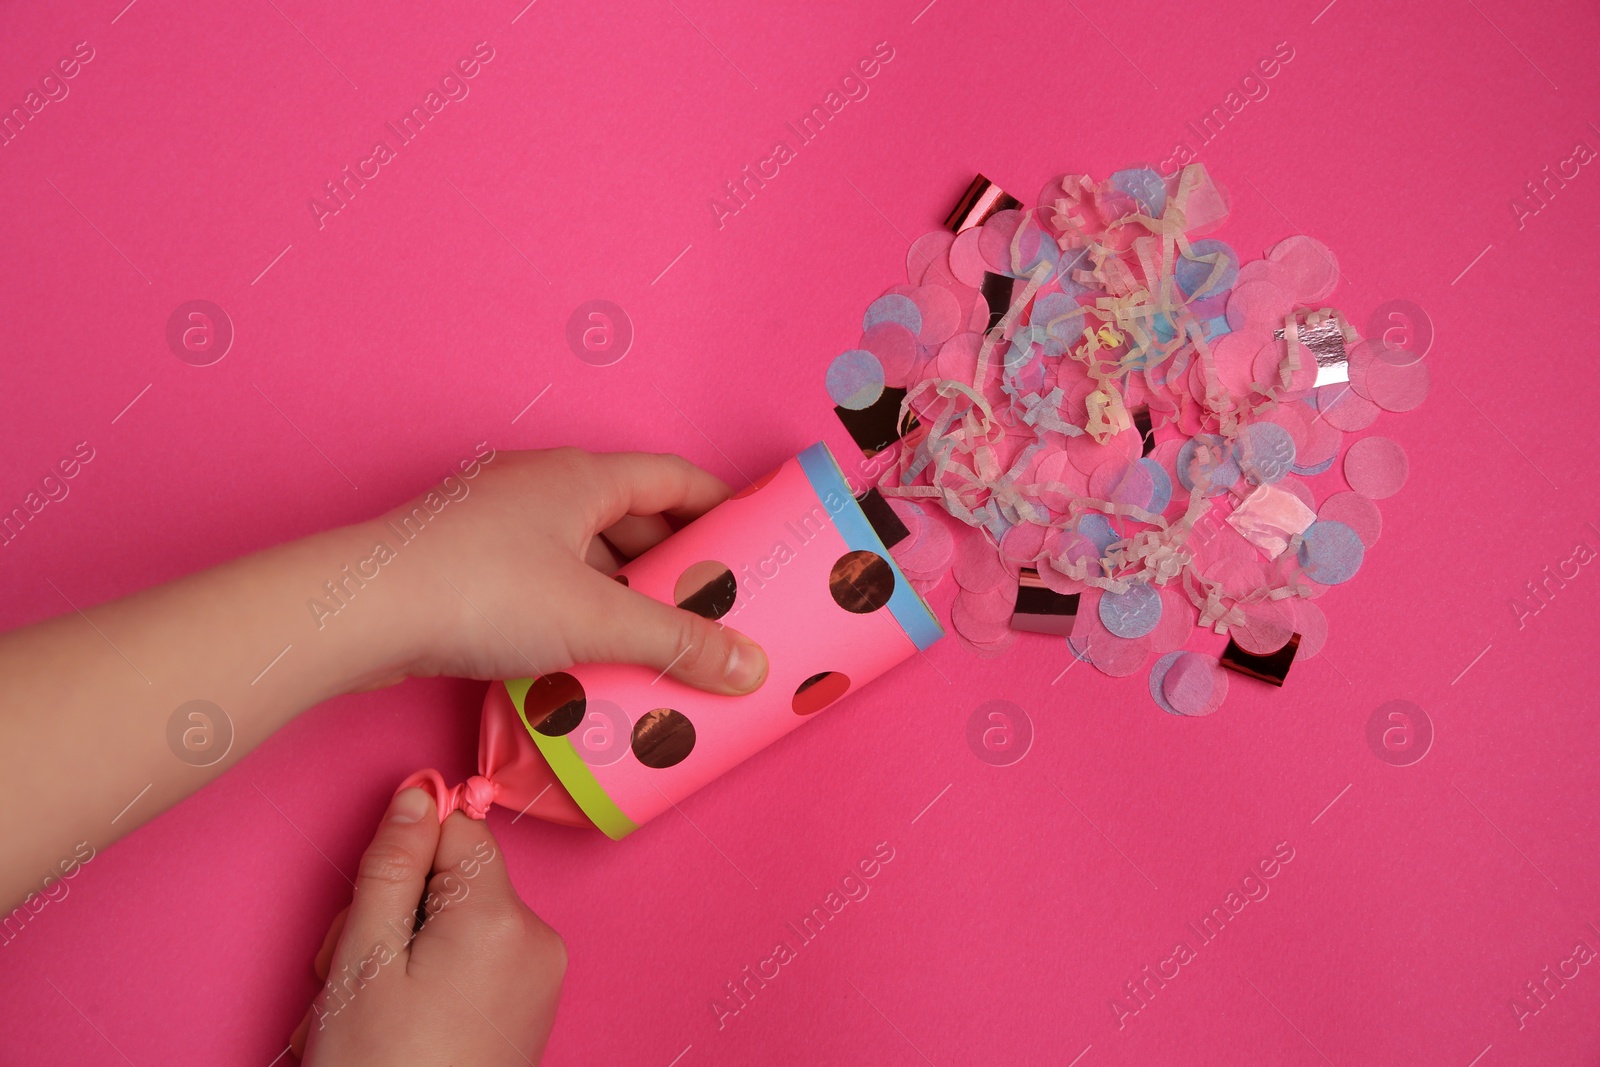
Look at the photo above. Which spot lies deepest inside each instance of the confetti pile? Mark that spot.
(1122, 416)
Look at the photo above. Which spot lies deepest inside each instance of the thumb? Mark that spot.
(629, 627)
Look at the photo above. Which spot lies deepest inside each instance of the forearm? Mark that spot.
(88, 697)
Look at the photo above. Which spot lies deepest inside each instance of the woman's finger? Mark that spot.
(602, 556)
(389, 883)
(633, 535)
(644, 483)
(613, 624)
(467, 867)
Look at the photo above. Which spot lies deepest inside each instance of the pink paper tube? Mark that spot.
(793, 563)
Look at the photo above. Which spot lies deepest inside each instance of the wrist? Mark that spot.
(366, 608)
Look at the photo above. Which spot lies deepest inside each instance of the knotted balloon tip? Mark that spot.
(473, 798)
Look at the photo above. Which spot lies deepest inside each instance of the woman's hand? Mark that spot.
(509, 575)
(477, 984)
(499, 572)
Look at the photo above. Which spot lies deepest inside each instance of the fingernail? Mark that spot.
(747, 666)
(409, 805)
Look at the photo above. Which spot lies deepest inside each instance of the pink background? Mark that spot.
(408, 329)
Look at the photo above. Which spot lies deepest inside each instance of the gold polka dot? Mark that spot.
(663, 738)
(861, 582)
(706, 588)
(555, 704)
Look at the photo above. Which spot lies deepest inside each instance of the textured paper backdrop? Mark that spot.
(424, 316)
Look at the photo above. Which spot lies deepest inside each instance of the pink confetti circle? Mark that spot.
(958, 357)
(1270, 363)
(1267, 627)
(1376, 467)
(994, 242)
(1322, 445)
(1261, 303)
(1195, 685)
(1293, 417)
(896, 348)
(1177, 623)
(1060, 482)
(966, 261)
(933, 549)
(977, 567)
(987, 649)
(1234, 356)
(1289, 483)
(1087, 454)
(1121, 482)
(972, 615)
(1355, 511)
(931, 248)
(1398, 387)
(1392, 378)
(1023, 543)
(1312, 626)
(1118, 657)
(941, 313)
(1308, 265)
(1345, 408)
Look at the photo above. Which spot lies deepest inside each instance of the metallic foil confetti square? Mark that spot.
(885, 523)
(876, 427)
(1272, 667)
(1042, 610)
(1325, 341)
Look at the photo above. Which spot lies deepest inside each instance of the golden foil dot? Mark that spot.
(861, 582)
(663, 738)
(555, 704)
(707, 588)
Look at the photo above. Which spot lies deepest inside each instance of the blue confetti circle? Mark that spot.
(1310, 472)
(1270, 452)
(1047, 252)
(1131, 614)
(1191, 274)
(1052, 306)
(1222, 470)
(1330, 552)
(855, 379)
(1098, 530)
(1145, 186)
